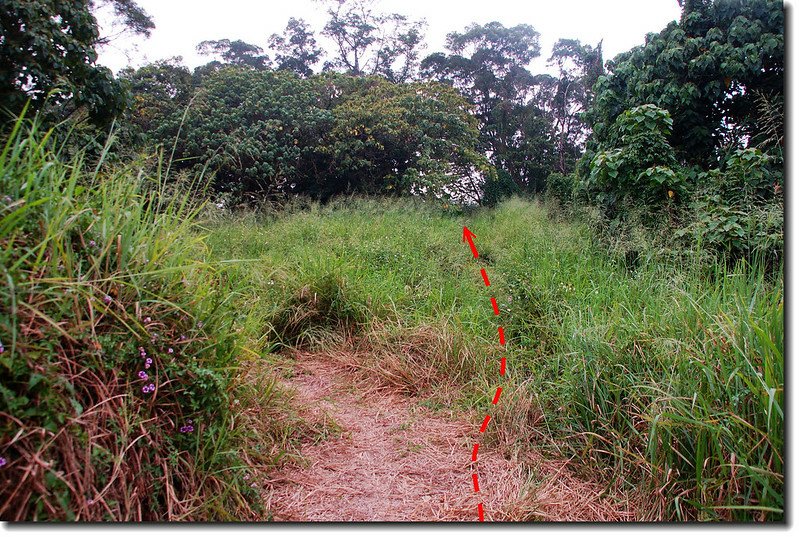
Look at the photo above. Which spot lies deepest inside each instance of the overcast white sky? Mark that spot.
(181, 24)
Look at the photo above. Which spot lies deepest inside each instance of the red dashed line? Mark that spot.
(484, 426)
(468, 236)
(496, 395)
(485, 277)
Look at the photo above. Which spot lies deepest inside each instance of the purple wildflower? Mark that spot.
(143, 375)
(2, 349)
(149, 388)
(199, 324)
(147, 320)
(170, 350)
(187, 429)
(147, 363)
(183, 337)
(92, 244)
(3, 461)
(107, 299)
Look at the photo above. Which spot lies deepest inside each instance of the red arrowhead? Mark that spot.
(468, 236)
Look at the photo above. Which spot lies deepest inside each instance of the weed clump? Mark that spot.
(118, 346)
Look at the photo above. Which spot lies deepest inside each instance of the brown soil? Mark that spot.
(390, 458)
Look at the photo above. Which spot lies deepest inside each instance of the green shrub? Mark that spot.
(737, 210)
(562, 187)
(637, 163)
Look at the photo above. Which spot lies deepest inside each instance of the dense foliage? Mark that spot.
(118, 346)
(708, 70)
(267, 134)
(527, 123)
(645, 333)
(687, 139)
(48, 45)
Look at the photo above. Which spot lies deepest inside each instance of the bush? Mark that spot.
(562, 187)
(117, 348)
(737, 210)
(637, 163)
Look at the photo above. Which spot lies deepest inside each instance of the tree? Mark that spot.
(51, 44)
(296, 49)
(370, 43)
(707, 70)
(579, 66)
(129, 15)
(400, 139)
(235, 52)
(488, 64)
(160, 92)
(637, 162)
(270, 133)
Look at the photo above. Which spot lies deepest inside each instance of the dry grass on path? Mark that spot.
(394, 459)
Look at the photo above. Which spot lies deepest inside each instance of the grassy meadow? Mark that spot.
(665, 380)
(140, 329)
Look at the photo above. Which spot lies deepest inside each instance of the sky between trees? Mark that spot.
(182, 24)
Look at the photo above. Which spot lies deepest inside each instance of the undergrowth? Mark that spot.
(665, 380)
(119, 347)
(136, 346)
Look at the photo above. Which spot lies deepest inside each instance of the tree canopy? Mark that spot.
(272, 133)
(372, 43)
(51, 44)
(709, 70)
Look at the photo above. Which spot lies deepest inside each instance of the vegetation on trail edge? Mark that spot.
(665, 380)
(118, 348)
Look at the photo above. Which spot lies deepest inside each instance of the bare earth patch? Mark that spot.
(396, 460)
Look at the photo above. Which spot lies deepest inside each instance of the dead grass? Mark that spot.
(396, 460)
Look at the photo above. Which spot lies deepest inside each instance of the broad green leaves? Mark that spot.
(705, 70)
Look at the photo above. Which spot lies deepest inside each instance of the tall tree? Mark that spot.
(488, 63)
(236, 52)
(128, 16)
(579, 66)
(296, 49)
(371, 43)
(708, 70)
(51, 44)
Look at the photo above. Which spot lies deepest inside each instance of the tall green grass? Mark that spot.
(666, 381)
(667, 378)
(101, 270)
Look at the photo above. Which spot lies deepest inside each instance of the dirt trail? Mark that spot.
(396, 460)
